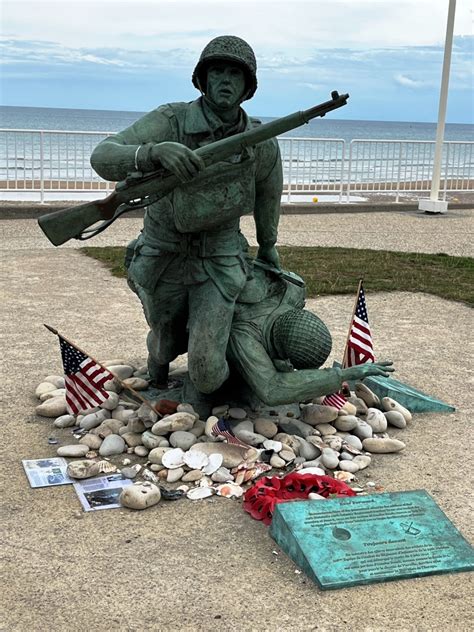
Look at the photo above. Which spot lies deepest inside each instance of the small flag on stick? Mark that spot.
(222, 428)
(336, 400)
(359, 347)
(85, 378)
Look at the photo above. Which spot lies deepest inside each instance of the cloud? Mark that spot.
(408, 82)
(377, 78)
(294, 27)
(17, 51)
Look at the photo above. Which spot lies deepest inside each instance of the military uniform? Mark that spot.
(189, 263)
(255, 350)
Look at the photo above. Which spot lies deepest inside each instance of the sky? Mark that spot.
(134, 55)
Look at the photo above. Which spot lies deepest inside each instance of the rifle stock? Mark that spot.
(65, 224)
(71, 223)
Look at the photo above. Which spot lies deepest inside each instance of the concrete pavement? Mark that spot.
(195, 566)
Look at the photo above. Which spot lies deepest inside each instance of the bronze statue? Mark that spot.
(277, 346)
(188, 282)
(198, 167)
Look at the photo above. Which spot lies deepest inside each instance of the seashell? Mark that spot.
(210, 423)
(350, 448)
(315, 496)
(239, 477)
(149, 476)
(345, 477)
(222, 475)
(259, 468)
(198, 493)
(105, 467)
(232, 454)
(276, 446)
(126, 462)
(205, 482)
(230, 490)
(173, 459)
(183, 488)
(213, 464)
(312, 470)
(197, 460)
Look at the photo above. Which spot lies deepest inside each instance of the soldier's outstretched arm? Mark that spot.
(274, 387)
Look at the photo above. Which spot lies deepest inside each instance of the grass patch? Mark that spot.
(337, 270)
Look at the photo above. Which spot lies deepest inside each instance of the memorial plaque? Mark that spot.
(365, 539)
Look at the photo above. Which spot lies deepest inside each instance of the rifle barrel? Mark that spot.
(66, 224)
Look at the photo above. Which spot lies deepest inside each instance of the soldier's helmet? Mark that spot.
(227, 48)
(301, 337)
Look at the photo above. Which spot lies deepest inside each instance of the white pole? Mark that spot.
(435, 205)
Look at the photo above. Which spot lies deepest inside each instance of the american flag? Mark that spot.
(337, 400)
(84, 379)
(222, 428)
(359, 344)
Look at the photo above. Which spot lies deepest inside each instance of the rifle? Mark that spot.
(139, 190)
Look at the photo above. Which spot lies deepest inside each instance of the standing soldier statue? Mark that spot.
(186, 276)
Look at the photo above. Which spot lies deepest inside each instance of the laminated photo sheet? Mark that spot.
(46, 472)
(102, 492)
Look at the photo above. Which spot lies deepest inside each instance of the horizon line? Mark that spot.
(47, 107)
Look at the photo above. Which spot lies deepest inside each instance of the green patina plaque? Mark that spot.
(416, 401)
(366, 539)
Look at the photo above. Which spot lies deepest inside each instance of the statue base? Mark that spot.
(234, 392)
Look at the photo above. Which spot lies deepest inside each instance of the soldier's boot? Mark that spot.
(158, 373)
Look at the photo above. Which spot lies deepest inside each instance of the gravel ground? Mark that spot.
(196, 566)
(452, 233)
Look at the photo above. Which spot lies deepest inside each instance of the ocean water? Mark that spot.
(110, 121)
(65, 156)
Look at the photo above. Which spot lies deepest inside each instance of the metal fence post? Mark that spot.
(290, 164)
(41, 169)
(341, 176)
(446, 169)
(349, 174)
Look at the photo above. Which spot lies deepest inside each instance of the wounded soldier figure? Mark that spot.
(277, 346)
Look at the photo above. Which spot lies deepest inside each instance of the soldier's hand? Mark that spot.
(369, 369)
(269, 254)
(178, 159)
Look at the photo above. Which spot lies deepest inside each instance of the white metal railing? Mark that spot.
(57, 161)
(400, 166)
(49, 161)
(312, 165)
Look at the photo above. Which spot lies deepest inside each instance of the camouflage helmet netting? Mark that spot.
(228, 48)
(303, 338)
